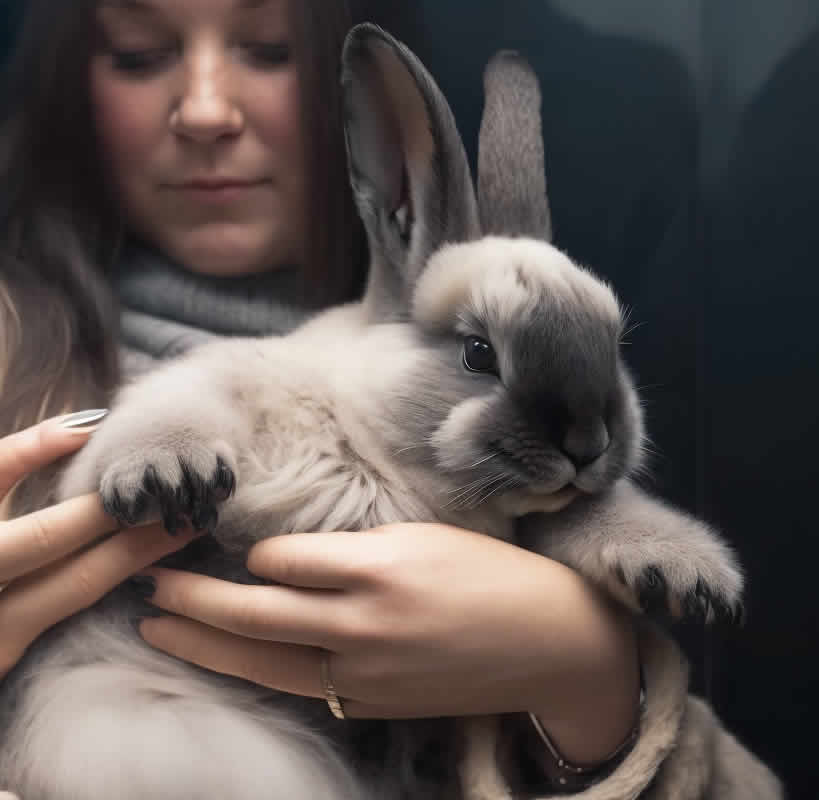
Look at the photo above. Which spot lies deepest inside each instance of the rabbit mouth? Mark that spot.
(518, 502)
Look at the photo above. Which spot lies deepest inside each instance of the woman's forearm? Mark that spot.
(590, 699)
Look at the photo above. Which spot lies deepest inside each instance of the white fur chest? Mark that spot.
(307, 471)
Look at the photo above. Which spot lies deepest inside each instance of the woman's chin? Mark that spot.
(228, 253)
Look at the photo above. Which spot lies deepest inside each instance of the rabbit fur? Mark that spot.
(478, 382)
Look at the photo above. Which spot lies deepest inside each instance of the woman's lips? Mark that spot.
(218, 190)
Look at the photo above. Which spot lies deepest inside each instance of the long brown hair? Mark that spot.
(337, 236)
(58, 235)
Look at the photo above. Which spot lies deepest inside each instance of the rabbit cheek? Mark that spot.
(455, 443)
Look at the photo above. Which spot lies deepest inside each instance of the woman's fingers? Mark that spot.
(35, 602)
(279, 613)
(319, 560)
(35, 447)
(42, 537)
(290, 668)
(295, 669)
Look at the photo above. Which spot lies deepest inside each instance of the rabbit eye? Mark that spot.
(479, 355)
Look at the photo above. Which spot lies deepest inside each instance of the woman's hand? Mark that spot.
(420, 620)
(48, 569)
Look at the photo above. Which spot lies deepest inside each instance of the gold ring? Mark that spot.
(329, 690)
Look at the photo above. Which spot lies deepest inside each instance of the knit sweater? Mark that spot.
(166, 310)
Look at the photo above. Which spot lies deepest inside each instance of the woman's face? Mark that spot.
(198, 112)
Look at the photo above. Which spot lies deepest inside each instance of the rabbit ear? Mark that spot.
(511, 168)
(408, 169)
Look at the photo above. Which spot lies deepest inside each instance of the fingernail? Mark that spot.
(84, 421)
(142, 585)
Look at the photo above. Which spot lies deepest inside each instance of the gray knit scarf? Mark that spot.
(166, 310)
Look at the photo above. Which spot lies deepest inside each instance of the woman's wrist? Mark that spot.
(538, 768)
(596, 728)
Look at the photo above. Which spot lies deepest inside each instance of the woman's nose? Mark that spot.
(206, 110)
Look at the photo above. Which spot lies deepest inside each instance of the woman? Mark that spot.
(190, 160)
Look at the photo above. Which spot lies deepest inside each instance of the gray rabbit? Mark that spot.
(479, 382)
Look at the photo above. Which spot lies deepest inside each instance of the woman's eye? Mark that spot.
(139, 61)
(267, 54)
(479, 355)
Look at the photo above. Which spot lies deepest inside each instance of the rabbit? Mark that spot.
(478, 382)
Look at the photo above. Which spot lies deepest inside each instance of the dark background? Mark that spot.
(682, 144)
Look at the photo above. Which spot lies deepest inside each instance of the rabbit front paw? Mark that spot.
(180, 483)
(698, 590)
(700, 602)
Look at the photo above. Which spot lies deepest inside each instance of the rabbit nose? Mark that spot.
(586, 440)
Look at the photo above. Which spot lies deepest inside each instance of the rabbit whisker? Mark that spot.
(483, 460)
(463, 498)
(632, 328)
(478, 496)
(467, 492)
(510, 481)
(469, 485)
(409, 447)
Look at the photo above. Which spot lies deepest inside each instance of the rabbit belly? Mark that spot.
(118, 728)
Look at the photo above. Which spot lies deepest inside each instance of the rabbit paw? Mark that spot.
(180, 483)
(701, 602)
(698, 590)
